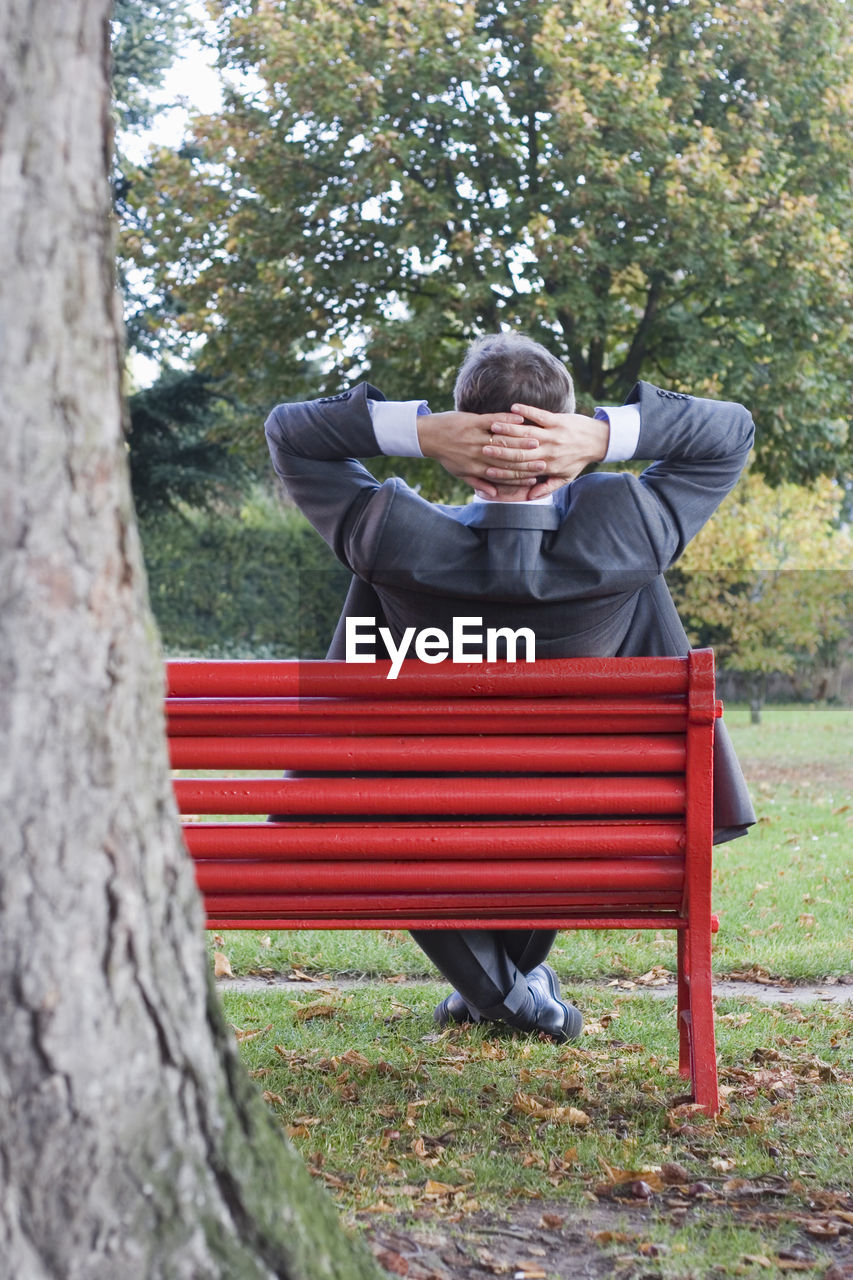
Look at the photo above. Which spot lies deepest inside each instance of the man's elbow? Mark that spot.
(742, 427)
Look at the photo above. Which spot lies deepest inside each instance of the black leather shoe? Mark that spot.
(553, 1016)
(454, 1009)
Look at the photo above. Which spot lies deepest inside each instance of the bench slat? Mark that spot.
(396, 919)
(424, 904)
(642, 795)
(433, 840)
(661, 753)
(582, 875)
(245, 716)
(543, 678)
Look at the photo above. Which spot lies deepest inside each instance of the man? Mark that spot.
(576, 558)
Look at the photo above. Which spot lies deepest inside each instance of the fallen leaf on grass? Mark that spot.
(391, 1261)
(543, 1109)
(221, 965)
(242, 1036)
(657, 976)
(551, 1221)
(354, 1059)
(633, 1184)
(674, 1174)
(822, 1229)
(297, 975)
(317, 1009)
(436, 1190)
(754, 974)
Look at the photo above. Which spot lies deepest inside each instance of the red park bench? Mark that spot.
(567, 793)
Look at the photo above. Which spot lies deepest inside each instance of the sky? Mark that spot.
(191, 83)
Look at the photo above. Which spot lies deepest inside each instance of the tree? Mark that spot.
(145, 39)
(131, 1140)
(649, 189)
(768, 581)
(177, 451)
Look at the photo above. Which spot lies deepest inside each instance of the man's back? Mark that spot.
(584, 574)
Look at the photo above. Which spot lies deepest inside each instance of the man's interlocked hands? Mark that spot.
(515, 456)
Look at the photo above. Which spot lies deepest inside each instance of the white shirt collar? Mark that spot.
(547, 501)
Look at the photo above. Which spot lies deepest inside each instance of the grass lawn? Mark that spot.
(466, 1153)
(490, 1137)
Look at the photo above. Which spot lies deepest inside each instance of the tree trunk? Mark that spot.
(757, 695)
(131, 1142)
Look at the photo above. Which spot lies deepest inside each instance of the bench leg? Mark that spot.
(696, 1016)
(684, 1063)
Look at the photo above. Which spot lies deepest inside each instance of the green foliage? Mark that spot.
(256, 583)
(656, 190)
(145, 36)
(145, 39)
(768, 582)
(176, 455)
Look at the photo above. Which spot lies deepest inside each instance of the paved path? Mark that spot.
(837, 992)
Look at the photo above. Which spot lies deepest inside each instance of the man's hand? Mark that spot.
(457, 441)
(567, 442)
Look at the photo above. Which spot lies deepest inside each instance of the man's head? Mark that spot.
(502, 369)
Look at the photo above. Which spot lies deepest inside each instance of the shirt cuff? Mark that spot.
(395, 425)
(624, 422)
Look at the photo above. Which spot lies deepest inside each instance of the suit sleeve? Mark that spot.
(699, 448)
(314, 448)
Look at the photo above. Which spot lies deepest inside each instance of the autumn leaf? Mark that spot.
(317, 1009)
(389, 1259)
(543, 1109)
(433, 1188)
(242, 1036)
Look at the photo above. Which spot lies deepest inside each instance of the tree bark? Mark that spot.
(132, 1143)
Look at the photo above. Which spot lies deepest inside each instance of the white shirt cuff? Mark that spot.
(624, 422)
(395, 425)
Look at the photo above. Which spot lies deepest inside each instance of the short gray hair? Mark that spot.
(502, 369)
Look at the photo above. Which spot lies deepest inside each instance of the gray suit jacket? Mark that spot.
(584, 574)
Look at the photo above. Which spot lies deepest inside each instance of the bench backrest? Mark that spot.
(568, 792)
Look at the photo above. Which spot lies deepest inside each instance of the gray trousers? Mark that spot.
(488, 966)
